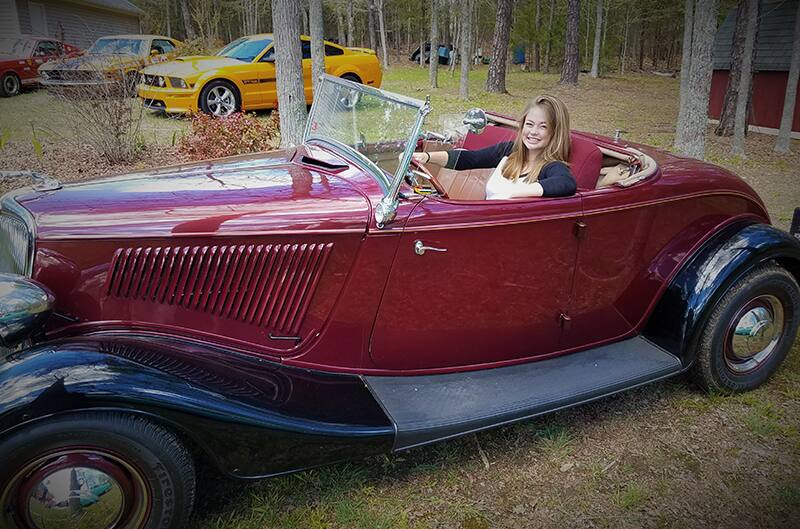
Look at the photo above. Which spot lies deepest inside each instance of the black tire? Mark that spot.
(352, 77)
(217, 86)
(105, 458)
(732, 361)
(10, 85)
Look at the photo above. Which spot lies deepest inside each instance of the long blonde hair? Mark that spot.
(557, 148)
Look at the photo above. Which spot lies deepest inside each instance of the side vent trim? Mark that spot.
(268, 285)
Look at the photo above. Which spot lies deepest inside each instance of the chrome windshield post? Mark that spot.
(387, 208)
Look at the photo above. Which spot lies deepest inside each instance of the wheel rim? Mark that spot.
(221, 101)
(754, 334)
(76, 489)
(10, 84)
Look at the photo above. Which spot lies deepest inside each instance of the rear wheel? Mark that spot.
(95, 470)
(9, 85)
(352, 77)
(220, 98)
(749, 332)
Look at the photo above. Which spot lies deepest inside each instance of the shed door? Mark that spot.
(38, 19)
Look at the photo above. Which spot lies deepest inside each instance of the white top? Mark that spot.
(499, 187)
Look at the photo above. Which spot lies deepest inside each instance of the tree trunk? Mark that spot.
(371, 24)
(496, 80)
(549, 36)
(690, 138)
(350, 28)
(466, 47)
(588, 23)
(746, 76)
(785, 131)
(433, 72)
(187, 20)
(686, 60)
(537, 47)
(625, 42)
(454, 52)
(341, 35)
(597, 34)
(382, 30)
(642, 43)
(317, 23)
(726, 117)
(289, 71)
(569, 71)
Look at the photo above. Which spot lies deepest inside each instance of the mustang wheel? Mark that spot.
(749, 332)
(95, 470)
(9, 85)
(219, 98)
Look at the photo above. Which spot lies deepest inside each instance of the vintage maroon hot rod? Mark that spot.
(284, 310)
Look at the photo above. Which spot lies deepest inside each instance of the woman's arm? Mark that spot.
(436, 157)
(557, 181)
(461, 159)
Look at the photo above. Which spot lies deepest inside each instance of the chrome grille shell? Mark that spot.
(17, 236)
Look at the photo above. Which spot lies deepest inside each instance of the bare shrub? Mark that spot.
(99, 100)
(240, 133)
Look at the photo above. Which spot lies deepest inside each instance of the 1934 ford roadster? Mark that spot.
(285, 310)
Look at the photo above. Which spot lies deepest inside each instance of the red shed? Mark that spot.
(773, 55)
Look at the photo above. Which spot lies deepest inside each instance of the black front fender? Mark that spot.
(253, 417)
(684, 308)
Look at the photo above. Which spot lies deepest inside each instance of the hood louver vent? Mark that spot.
(266, 285)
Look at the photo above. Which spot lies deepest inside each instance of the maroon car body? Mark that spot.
(20, 58)
(267, 310)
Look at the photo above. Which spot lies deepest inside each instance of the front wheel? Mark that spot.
(220, 98)
(10, 85)
(95, 470)
(749, 332)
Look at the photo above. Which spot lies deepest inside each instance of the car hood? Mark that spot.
(240, 196)
(186, 67)
(92, 61)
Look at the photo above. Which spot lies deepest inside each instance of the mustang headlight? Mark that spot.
(177, 82)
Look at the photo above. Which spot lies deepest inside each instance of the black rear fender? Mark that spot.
(725, 258)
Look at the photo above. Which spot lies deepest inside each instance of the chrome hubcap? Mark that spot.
(73, 494)
(221, 101)
(756, 331)
(77, 489)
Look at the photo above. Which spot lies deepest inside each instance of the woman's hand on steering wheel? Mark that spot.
(421, 157)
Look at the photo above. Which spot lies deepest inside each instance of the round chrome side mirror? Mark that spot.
(475, 119)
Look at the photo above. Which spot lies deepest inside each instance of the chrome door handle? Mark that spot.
(420, 248)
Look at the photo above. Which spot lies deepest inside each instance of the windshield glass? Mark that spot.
(376, 124)
(16, 47)
(244, 49)
(132, 46)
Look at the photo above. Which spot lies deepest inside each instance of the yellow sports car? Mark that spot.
(241, 76)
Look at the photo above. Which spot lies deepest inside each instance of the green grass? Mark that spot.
(632, 496)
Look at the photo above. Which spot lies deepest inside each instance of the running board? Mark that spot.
(430, 408)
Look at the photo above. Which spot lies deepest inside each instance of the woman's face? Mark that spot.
(536, 131)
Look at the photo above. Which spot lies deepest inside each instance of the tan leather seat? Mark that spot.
(464, 185)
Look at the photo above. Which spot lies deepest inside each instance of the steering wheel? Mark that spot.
(421, 171)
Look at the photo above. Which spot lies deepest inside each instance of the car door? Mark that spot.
(307, 83)
(494, 285)
(265, 91)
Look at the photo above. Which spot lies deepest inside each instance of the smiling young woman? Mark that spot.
(533, 165)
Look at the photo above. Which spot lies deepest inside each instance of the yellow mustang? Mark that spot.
(241, 76)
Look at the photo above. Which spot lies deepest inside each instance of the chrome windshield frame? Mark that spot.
(386, 209)
(349, 152)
